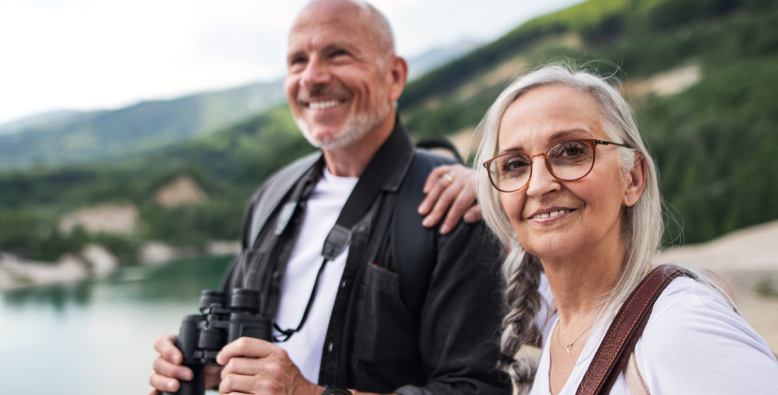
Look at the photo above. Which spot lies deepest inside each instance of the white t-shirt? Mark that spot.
(693, 344)
(321, 212)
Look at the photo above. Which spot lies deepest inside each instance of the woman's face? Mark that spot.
(591, 207)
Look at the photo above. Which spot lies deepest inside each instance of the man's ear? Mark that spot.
(636, 181)
(398, 72)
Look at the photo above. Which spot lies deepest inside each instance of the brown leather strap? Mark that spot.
(624, 332)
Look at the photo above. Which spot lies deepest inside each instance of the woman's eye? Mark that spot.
(572, 150)
(515, 164)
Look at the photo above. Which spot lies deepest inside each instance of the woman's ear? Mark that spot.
(636, 181)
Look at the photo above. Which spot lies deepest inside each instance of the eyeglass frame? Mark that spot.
(592, 142)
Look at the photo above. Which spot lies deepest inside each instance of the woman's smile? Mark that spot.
(550, 215)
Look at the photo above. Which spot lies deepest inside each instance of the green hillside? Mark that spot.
(112, 134)
(716, 142)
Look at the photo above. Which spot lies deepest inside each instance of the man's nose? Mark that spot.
(541, 181)
(315, 74)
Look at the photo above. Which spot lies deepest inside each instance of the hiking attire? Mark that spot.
(693, 343)
(372, 327)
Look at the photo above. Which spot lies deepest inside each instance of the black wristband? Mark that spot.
(335, 391)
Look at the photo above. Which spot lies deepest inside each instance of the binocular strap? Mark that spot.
(287, 333)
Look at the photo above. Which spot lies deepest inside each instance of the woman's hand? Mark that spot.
(452, 189)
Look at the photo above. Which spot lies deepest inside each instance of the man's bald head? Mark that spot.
(373, 22)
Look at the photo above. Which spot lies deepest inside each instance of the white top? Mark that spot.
(322, 210)
(693, 344)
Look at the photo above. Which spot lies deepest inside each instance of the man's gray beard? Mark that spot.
(355, 128)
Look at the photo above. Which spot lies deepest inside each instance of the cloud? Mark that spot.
(85, 54)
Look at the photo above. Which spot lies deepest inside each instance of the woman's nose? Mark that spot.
(541, 180)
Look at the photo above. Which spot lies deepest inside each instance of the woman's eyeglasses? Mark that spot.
(567, 161)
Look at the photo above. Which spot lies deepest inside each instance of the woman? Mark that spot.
(570, 187)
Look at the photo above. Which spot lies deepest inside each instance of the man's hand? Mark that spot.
(168, 369)
(253, 366)
(450, 188)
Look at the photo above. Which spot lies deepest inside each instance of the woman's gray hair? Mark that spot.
(643, 230)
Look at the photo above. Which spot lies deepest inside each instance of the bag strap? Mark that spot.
(414, 247)
(625, 330)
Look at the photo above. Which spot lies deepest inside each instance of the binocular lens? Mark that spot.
(247, 300)
(209, 298)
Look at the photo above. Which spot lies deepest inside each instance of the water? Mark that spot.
(96, 337)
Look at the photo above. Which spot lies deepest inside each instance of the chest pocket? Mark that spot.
(387, 339)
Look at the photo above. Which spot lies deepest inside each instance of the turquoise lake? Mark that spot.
(96, 337)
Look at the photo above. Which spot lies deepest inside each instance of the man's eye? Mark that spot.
(339, 52)
(297, 60)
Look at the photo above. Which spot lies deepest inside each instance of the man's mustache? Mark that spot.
(308, 94)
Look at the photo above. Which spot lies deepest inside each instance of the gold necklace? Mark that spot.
(569, 347)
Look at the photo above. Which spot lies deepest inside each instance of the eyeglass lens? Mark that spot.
(568, 161)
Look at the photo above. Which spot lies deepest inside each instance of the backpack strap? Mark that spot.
(272, 193)
(625, 330)
(414, 247)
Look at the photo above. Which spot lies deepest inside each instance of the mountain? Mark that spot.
(63, 136)
(712, 131)
(36, 120)
(67, 137)
(439, 56)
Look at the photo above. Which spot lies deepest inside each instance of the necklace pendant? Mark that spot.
(569, 348)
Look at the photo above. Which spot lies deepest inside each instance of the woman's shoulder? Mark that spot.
(694, 312)
(686, 295)
(694, 340)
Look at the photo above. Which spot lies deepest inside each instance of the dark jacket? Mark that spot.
(374, 343)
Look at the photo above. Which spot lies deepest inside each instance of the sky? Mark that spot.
(101, 54)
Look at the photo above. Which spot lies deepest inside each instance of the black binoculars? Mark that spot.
(203, 335)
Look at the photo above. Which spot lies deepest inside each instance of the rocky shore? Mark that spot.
(94, 261)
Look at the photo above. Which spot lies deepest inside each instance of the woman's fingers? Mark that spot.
(474, 214)
(434, 176)
(462, 203)
(451, 189)
(446, 195)
(436, 183)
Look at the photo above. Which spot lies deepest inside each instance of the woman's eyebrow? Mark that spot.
(565, 133)
(554, 137)
(509, 150)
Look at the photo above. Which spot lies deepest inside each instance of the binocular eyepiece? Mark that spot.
(203, 335)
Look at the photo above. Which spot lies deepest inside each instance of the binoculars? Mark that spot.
(203, 335)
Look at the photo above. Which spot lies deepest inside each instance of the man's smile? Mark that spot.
(323, 104)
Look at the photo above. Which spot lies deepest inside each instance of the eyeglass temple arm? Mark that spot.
(603, 142)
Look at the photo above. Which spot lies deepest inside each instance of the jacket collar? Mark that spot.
(392, 160)
(390, 163)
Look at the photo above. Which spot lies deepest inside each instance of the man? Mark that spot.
(361, 332)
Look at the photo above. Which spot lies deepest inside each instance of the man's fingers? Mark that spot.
(246, 347)
(237, 383)
(212, 375)
(474, 214)
(163, 383)
(166, 347)
(435, 175)
(163, 367)
(243, 366)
